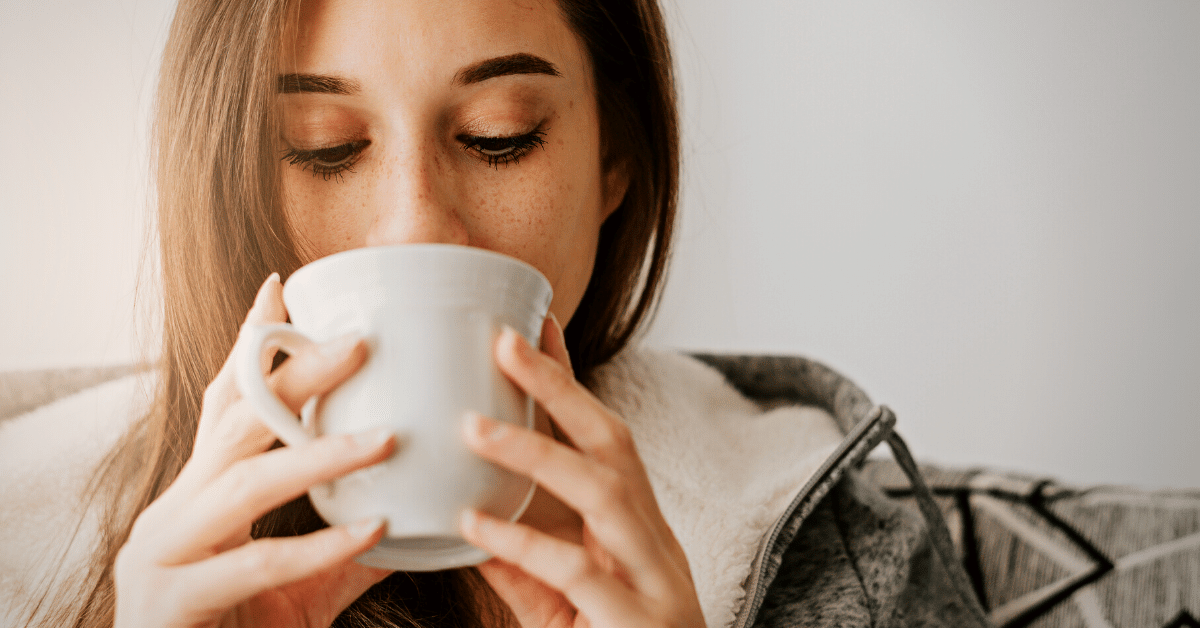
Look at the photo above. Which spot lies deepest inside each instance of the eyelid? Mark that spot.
(518, 146)
(310, 159)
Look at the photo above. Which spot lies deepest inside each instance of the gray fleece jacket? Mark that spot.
(831, 548)
(845, 554)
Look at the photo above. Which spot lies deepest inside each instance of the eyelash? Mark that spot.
(517, 145)
(327, 163)
(330, 163)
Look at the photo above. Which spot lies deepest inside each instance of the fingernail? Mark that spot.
(509, 335)
(468, 520)
(364, 528)
(262, 290)
(272, 279)
(482, 428)
(339, 346)
(372, 438)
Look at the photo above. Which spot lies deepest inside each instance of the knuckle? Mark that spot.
(259, 562)
(334, 448)
(559, 380)
(268, 561)
(241, 481)
(232, 427)
(620, 436)
(536, 454)
(144, 524)
(538, 449)
(613, 437)
(209, 398)
(577, 569)
(524, 540)
(125, 562)
(611, 489)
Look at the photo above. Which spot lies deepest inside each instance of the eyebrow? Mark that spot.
(519, 63)
(316, 84)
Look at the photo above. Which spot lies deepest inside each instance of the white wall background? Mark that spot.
(986, 213)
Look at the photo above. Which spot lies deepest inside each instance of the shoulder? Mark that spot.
(639, 376)
(679, 409)
(723, 469)
(47, 457)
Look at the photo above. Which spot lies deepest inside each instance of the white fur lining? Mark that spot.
(722, 469)
(46, 458)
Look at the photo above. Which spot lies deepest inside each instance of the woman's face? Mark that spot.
(468, 122)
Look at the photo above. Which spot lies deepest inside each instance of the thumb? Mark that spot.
(268, 308)
(268, 303)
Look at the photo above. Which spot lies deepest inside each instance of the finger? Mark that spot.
(606, 500)
(268, 307)
(241, 494)
(238, 433)
(347, 583)
(216, 434)
(229, 578)
(334, 589)
(563, 566)
(554, 343)
(531, 601)
(317, 369)
(584, 419)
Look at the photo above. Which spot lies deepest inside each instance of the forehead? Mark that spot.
(425, 39)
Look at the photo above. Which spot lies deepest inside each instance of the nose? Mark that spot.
(416, 203)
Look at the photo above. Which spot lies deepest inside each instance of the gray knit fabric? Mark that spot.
(1034, 537)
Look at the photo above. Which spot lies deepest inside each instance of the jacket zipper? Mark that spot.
(854, 448)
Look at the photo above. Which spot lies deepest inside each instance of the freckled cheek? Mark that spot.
(323, 220)
(512, 218)
(567, 238)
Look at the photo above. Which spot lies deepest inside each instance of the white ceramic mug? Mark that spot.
(430, 314)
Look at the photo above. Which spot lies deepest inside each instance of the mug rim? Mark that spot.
(478, 277)
(416, 248)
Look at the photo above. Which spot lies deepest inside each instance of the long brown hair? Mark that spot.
(221, 230)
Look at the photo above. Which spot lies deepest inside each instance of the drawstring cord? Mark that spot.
(939, 535)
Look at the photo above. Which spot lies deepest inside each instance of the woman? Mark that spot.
(289, 131)
(470, 123)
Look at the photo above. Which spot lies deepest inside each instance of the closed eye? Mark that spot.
(327, 162)
(497, 151)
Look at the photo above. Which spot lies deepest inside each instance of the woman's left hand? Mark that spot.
(615, 563)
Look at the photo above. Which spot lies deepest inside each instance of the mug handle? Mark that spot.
(253, 383)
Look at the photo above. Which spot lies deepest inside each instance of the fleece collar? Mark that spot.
(723, 470)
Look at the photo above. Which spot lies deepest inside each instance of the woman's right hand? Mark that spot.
(190, 560)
